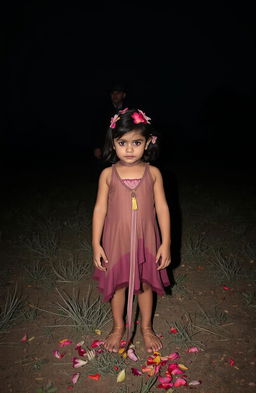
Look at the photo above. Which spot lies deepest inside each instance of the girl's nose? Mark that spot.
(129, 147)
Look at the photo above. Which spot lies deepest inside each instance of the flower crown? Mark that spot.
(138, 117)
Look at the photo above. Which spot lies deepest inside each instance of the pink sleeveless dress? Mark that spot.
(131, 239)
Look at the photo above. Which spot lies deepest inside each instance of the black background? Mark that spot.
(190, 68)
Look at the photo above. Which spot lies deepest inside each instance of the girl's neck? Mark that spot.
(139, 162)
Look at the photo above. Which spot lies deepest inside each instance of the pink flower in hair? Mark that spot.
(113, 121)
(153, 139)
(122, 111)
(146, 118)
(140, 117)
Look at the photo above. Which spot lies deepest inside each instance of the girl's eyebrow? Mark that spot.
(134, 140)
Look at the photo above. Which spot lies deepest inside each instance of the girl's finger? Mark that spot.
(104, 257)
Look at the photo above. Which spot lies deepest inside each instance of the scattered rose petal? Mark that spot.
(193, 349)
(24, 338)
(173, 356)
(148, 369)
(78, 362)
(180, 382)
(194, 383)
(231, 362)
(31, 338)
(136, 372)
(123, 343)
(64, 342)
(173, 330)
(176, 371)
(157, 368)
(58, 355)
(99, 350)
(165, 385)
(95, 377)
(70, 387)
(121, 376)
(81, 351)
(182, 367)
(131, 355)
(75, 378)
(164, 379)
(98, 331)
(225, 287)
(115, 368)
(96, 343)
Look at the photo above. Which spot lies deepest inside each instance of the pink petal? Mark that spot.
(157, 368)
(165, 385)
(24, 338)
(136, 372)
(122, 111)
(173, 330)
(131, 355)
(194, 383)
(176, 371)
(231, 362)
(75, 378)
(81, 351)
(173, 356)
(78, 362)
(193, 349)
(180, 382)
(226, 288)
(58, 355)
(96, 343)
(172, 366)
(99, 350)
(64, 342)
(164, 379)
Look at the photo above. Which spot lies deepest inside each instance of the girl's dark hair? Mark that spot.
(126, 124)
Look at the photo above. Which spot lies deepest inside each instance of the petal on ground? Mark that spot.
(194, 383)
(193, 349)
(164, 379)
(136, 372)
(57, 354)
(131, 355)
(24, 338)
(173, 356)
(96, 343)
(121, 376)
(75, 378)
(64, 342)
(95, 377)
(180, 382)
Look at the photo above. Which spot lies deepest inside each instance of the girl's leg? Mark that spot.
(112, 342)
(145, 300)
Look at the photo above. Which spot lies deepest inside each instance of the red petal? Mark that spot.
(165, 385)
(173, 330)
(136, 372)
(193, 349)
(231, 362)
(96, 343)
(24, 338)
(95, 377)
(180, 382)
(173, 356)
(164, 379)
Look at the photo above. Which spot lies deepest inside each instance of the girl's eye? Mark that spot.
(137, 143)
(121, 143)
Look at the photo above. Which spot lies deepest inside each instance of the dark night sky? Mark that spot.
(192, 69)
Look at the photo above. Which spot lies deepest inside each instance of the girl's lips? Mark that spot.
(129, 156)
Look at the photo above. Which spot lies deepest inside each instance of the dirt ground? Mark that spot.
(210, 306)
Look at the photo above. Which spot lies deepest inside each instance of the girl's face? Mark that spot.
(130, 147)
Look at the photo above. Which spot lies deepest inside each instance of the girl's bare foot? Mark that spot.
(152, 342)
(112, 341)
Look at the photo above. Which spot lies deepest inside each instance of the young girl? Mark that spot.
(128, 251)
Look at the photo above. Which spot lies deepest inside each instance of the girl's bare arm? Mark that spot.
(99, 214)
(163, 214)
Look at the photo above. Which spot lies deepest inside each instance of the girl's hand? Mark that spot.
(98, 256)
(163, 257)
